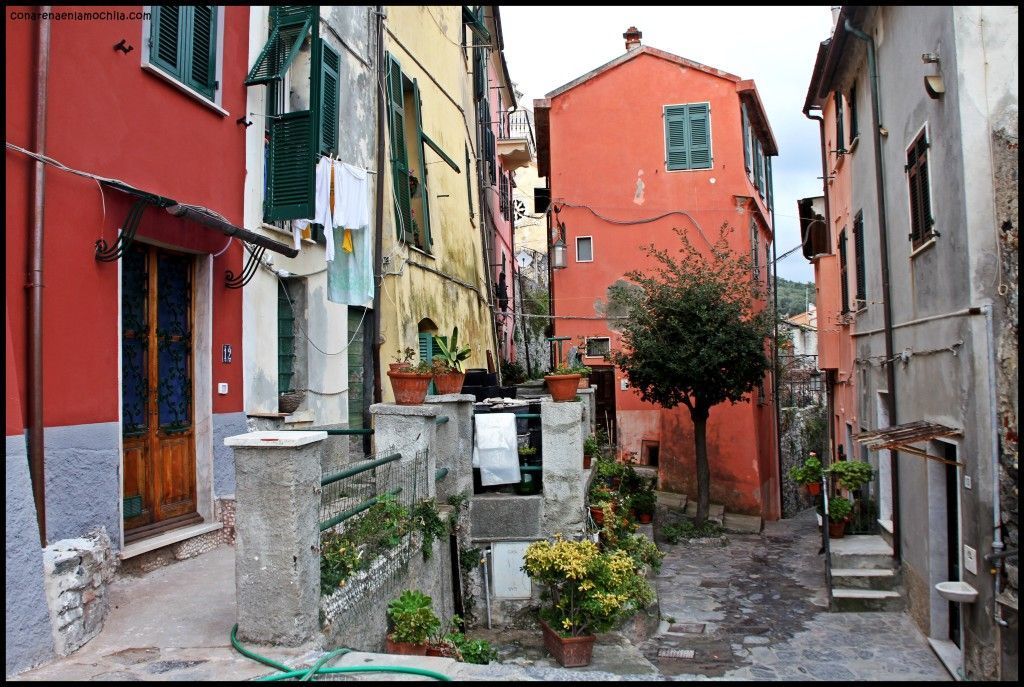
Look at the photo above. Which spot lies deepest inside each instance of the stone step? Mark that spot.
(861, 551)
(742, 523)
(864, 578)
(885, 531)
(716, 511)
(670, 499)
(861, 600)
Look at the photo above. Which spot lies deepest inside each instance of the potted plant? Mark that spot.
(450, 382)
(808, 474)
(590, 448)
(644, 502)
(851, 474)
(410, 385)
(584, 373)
(838, 511)
(586, 592)
(442, 641)
(600, 496)
(403, 359)
(528, 455)
(563, 382)
(610, 471)
(412, 620)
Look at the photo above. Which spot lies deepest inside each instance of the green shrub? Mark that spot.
(808, 473)
(412, 617)
(851, 474)
(340, 556)
(838, 508)
(426, 518)
(686, 529)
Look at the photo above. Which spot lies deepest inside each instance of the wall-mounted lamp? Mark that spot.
(934, 86)
(559, 256)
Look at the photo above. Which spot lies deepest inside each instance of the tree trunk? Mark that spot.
(700, 440)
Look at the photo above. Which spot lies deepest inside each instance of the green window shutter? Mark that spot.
(745, 123)
(837, 97)
(291, 168)
(201, 53)
(357, 323)
(285, 340)
(469, 185)
(843, 282)
(289, 25)
(330, 63)
(699, 117)
(768, 182)
(424, 187)
(399, 157)
(426, 341)
(479, 71)
(167, 26)
(677, 146)
(858, 256)
(758, 159)
(853, 112)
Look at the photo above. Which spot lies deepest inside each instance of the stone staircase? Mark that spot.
(716, 512)
(864, 575)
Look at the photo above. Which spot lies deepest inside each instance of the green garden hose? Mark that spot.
(319, 669)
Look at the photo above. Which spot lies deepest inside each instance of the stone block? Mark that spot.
(742, 523)
(500, 516)
(671, 500)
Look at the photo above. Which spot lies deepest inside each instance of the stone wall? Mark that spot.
(76, 574)
(802, 430)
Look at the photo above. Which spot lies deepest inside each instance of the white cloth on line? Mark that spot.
(351, 196)
(496, 449)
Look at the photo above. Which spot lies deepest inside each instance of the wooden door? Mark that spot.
(604, 398)
(156, 391)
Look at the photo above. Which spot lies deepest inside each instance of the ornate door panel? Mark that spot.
(157, 414)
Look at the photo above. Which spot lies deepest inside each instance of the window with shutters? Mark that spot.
(854, 132)
(746, 138)
(503, 194)
(860, 299)
(408, 171)
(837, 98)
(285, 339)
(182, 44)
(758, 163)
(688, 136)
(921, 220)
(755, 249)
(302, 110)
(844, 284)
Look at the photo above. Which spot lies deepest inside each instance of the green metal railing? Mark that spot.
(355, 470)
(345, 515)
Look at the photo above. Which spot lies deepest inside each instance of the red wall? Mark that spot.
(605, 135)
(108, 116)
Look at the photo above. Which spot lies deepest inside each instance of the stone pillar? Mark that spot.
(562, 441)
(408, 430)
(588, 421)
(277, 536)
(454, 443)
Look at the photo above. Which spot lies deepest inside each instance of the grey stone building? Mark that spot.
(925, 114)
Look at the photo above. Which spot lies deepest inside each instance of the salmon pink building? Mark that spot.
(644, 144)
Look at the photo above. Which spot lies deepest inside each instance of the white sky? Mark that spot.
(546, 47)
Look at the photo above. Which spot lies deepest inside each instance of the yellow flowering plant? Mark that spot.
(586, 591)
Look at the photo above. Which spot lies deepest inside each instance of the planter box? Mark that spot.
(570, 652)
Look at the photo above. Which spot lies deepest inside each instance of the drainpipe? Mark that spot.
(997, 534)
(35, 285)
(378, 234)
(775, 360)
(883, 238)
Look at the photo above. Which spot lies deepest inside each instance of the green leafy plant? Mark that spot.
(427, 519)
(512, 372)
(590, 445)
(807, 473)
(478, 651)
(340, 556)
(632, 482)
(586, 591)
(688, 529)
(470, 559)
(425, 367)
(642, 550)
(450, 352)
(839, 508)
(609, 469)
(405, 356)
(644, 501)
(527, 451)
(599, 494)
(563, 369)
(384, 523)
(412, 617)
(851, 474)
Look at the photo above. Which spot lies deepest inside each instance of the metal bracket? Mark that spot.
(255, 255)
(105, 253)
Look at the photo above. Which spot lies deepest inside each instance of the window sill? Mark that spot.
(853, 144)
(284, 232)
(923, 247)
(195, 95)
(417, 249)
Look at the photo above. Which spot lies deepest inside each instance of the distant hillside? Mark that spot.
(794, 296)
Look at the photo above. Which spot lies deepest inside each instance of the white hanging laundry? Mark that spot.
(495, 449)
(351, 196)
(323, 212)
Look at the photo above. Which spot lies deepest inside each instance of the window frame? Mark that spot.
(860, 276)
(837, 98)
(928, 232)
(844, 273)
(158, 70)
(854, 127)
(607, 339)
(711, 142)
(590, 238)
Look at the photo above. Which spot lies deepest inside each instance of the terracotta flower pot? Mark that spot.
(571, 652)
(814, 488)
(562, 387)
(584, 383)
(836, 530)
(450, 383)
(586, 461)
(395, 367)
(405, 648)
(645, 518)
(441, 650)
(597, 514)
(410, 387)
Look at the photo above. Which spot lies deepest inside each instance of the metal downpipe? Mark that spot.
(378, 234)
(36, 448)
(883, 237)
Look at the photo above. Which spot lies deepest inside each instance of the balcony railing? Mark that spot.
(517, 124)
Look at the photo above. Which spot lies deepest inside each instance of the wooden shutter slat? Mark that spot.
(202, 53)
(292, 168)
(844, 283)
(858, 257)
(399, 156)
(699, 121)
(424, 195)
(330, 65)
(166, 31)
(282, 46)
(676, 140)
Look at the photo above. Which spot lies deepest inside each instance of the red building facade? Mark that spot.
(644, 144)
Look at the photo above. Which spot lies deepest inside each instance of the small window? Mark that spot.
(840, 137)
(599, 346)
(921, 221)
(853, 113)
(182, 44)
(688, 136)
(584, 249)
(843, 280)
(858, 261)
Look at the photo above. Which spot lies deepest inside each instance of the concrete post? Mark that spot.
(454, 443)
(277, 536)
(588, 422)
(562, 441)
(408, 430)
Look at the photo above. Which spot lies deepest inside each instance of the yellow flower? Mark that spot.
(566, 623)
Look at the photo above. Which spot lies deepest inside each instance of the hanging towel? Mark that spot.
(495, 449)
(350, 276)
(352, 206)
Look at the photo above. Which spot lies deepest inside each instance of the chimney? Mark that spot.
(632, 37)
